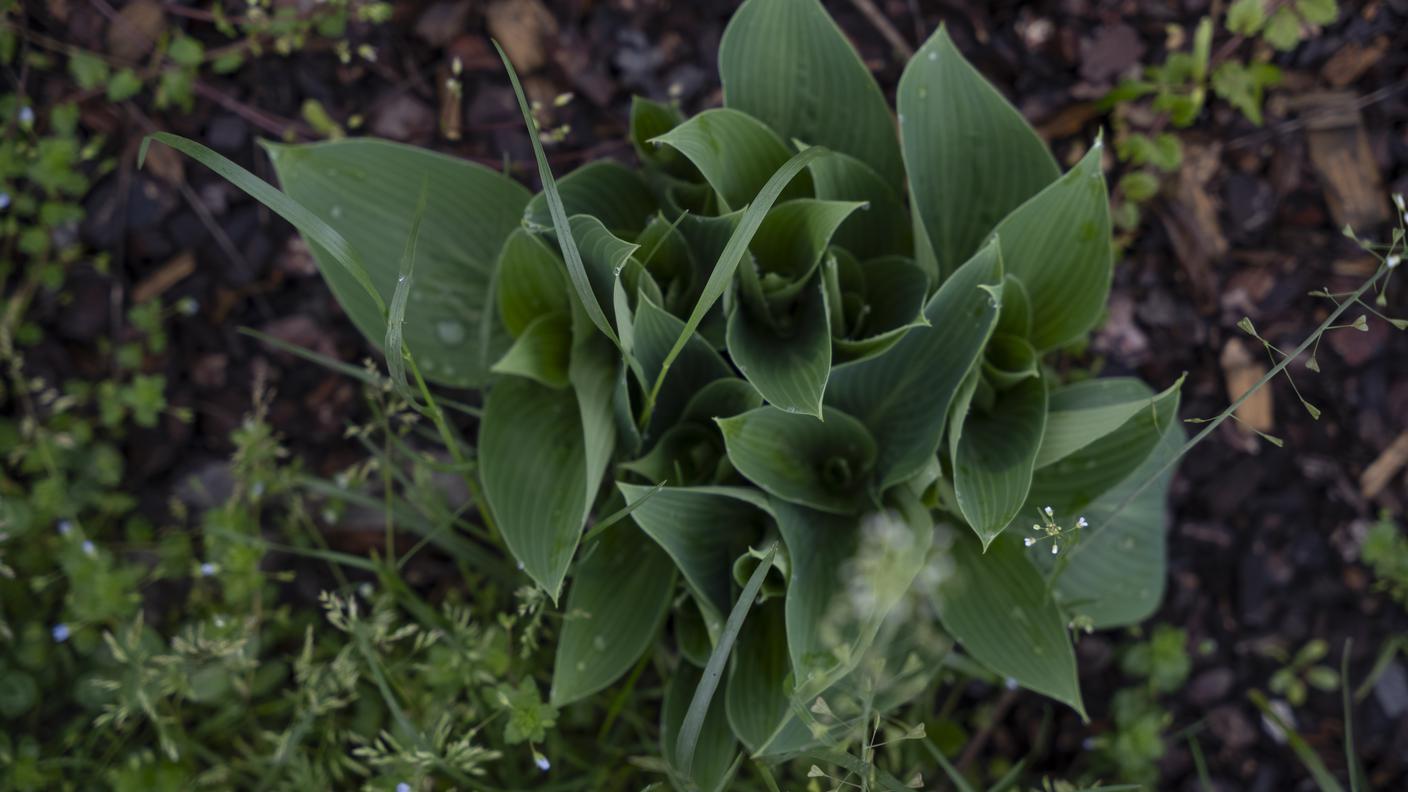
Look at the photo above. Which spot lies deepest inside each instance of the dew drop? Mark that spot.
(599, 643)
(450, 331)
(933, 56)
(336, 212)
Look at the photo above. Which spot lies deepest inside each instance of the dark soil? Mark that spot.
(1264, 541)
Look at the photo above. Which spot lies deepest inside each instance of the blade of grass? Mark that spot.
(959, 782)
(308, 224)
(1357, 782)
(1302, 749)
(396, 349)
(621, 514)
(1200, 764)
(576, 270)
(727, 264)
(693, 723)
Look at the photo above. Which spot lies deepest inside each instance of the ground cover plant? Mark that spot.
(787, 356)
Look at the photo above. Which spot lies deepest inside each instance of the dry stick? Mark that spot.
(1225, 414)
(882, 24)
(975, 745)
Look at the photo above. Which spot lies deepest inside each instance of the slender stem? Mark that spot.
(471, 475)
(1225, 414)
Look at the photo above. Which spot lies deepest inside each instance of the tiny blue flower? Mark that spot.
(1011, 683)
(60, 632)
(27, 116)
(88, 547)
(208, 569)
(542, 762)
(4, 200)
(65, 527)
(403, 787)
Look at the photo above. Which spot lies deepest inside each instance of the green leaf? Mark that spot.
(1282, 30)
(873, 304)
(1084, 412)
(1139, 186)
(396, 313)
(735, 152)
(1116, 573)
(593, 373)
(1245, 17)
(994, 452)
(995, 604)
(759, 677)
(881, 228)
(88, 70)
(716, 748)
(1009, 361)
(186, 51)
(703, 529)
(654, 331)
(1070, 484)
(903, 396)
(1242, 86)
(604, 256)
(823, 464)
(691, 452)
(970, 155)
(534, 467)
(788, 365)
(367, 190)
(541, 352)
(576, 270)
(694, 719)
(721, 277)
(532, 282)
(618, 599)
(1015, 318)
(1318, 12)
(609, 191)
(650, 120)
(786, 63)
(123, 85)
(1058, 245)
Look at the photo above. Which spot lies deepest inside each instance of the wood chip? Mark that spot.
(1382, 470)
(135, 30)
(520, 27)
(1190, 216)
(1240, 372)
(170, 274)
(1340, 153)
(1352, 60)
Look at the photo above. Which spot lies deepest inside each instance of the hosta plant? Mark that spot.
(776, 402)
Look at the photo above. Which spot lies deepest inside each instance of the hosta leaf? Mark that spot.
(534, 466)
(759, 678)
(541, 351)
(650, 120)
(1058, 245)
(1073, 482)
(880, 229)
(970, 155)
(785, 62)
(532, 281)
(1084, 412)
(655, 331)
(903, 396)
(822, 464)
(703, 529)
(1016, 316)
(593, 373)
(878, 302)
(994, 452)
(1009, 360)
(790, 365)
(847, 574)
(609, 191)
(618, 599)
(995, 604)
(604, 256)
(367, 191)
(735, 152)
(716, 748)
(665, 254)
(1115, 575)
(691, 452)
(790, 242)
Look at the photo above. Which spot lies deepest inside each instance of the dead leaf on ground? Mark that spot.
(520, 27)
(170, 274)
(1382, 470)
(1240, 372)
(1352, 60)
(1340, 154)
(135, 30)
(1189, 216)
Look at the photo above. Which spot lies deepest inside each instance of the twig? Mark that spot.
(882, 24)
(980, 740)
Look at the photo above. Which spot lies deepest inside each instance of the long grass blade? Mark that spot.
(727, 264)
(693, 723)
(621, 513)
(308, 224)
(576, 270)
(1302, 749)
(396, 349)
(1357, 782)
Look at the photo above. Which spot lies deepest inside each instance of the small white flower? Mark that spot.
(1036, 527)
(60, 632)
(403, 787)
(1029, 541)
(1011, 683)
(1393, 261)
(542, 762)
(27, 116)
(1398, 201)
(88, 548)
(1055, 548)
(1081, 523)
(1049, 511)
